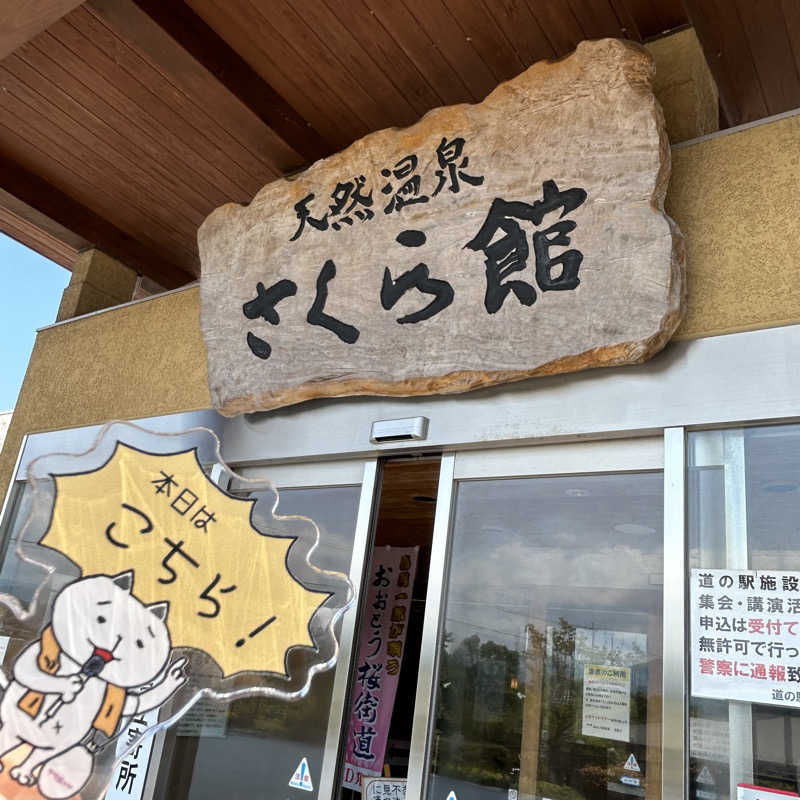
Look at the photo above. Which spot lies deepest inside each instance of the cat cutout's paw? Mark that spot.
(72, 685)
(23, 776)
(176, 676)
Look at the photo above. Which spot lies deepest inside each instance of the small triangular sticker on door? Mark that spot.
(302, 777)
(631, 764)
(705, 776)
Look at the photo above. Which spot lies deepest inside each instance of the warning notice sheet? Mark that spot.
(745, 629)
(606, 702)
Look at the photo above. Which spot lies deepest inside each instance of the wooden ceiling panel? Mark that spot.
(791, 14)
(73, 167)
(455, 44)
(670, 14)
(730, 59)
(39, 193)
(389, 57)
(168, 116)
(435, 69)
(252, 36)
(482, 30)
(599, 19)
(33, 86)
(766, 29)
(198, 63)
(357, 56)
(20, 22)
(326, 60)
(559, 24)
(522, 30)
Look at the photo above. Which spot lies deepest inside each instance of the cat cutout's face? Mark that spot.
(100, 616)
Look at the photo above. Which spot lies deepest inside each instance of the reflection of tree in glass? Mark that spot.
(479, 724)
(572, 766)
(560, 701)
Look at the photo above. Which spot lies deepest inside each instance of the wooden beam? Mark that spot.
(210, 50)
(20, 22)
(42, 234)
(36, 192)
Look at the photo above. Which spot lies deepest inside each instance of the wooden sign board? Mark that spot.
(521, 236)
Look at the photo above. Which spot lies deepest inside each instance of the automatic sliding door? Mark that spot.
(548, 680)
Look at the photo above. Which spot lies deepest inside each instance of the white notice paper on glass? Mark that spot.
(744, 791)
(606, 702)
(745, 635)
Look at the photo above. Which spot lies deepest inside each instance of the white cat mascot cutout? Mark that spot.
(103, 657)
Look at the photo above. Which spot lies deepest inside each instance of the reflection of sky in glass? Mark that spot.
(519, 540)
(331, 509)
(772, 500)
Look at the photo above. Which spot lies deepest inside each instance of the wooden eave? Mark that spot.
(123, 123)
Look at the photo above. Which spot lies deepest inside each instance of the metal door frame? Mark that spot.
(607, 456)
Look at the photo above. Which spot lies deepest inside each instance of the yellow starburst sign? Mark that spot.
(229, 588)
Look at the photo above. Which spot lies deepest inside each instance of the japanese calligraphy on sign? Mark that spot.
(745, 629)
(520, 236)
(380, 657)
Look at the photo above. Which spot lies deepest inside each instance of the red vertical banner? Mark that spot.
(380, 655)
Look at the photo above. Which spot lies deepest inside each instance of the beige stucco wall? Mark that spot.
(140, 360)
(737, 201)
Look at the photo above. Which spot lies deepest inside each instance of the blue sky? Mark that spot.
(30, 292)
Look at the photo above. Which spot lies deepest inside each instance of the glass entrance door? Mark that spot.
(253, 747)
(546, 632)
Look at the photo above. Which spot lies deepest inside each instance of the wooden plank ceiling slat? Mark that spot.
(630, 25)
(83, 174)
(76, 131)
(390, 57)
(43, 194)
(21, 22)
(198, 62)
(344, 90)
(60, 88)
(419, 47)
(791, 15)
(192, 130)
(239, 132)
(559, 24)
(354, 55)
(727, 50)
(247, 32)
(670, 14)
(645, 15)
(522, 30)
(482, 30)
(598, 19)
(765, 27)
(450, 40)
